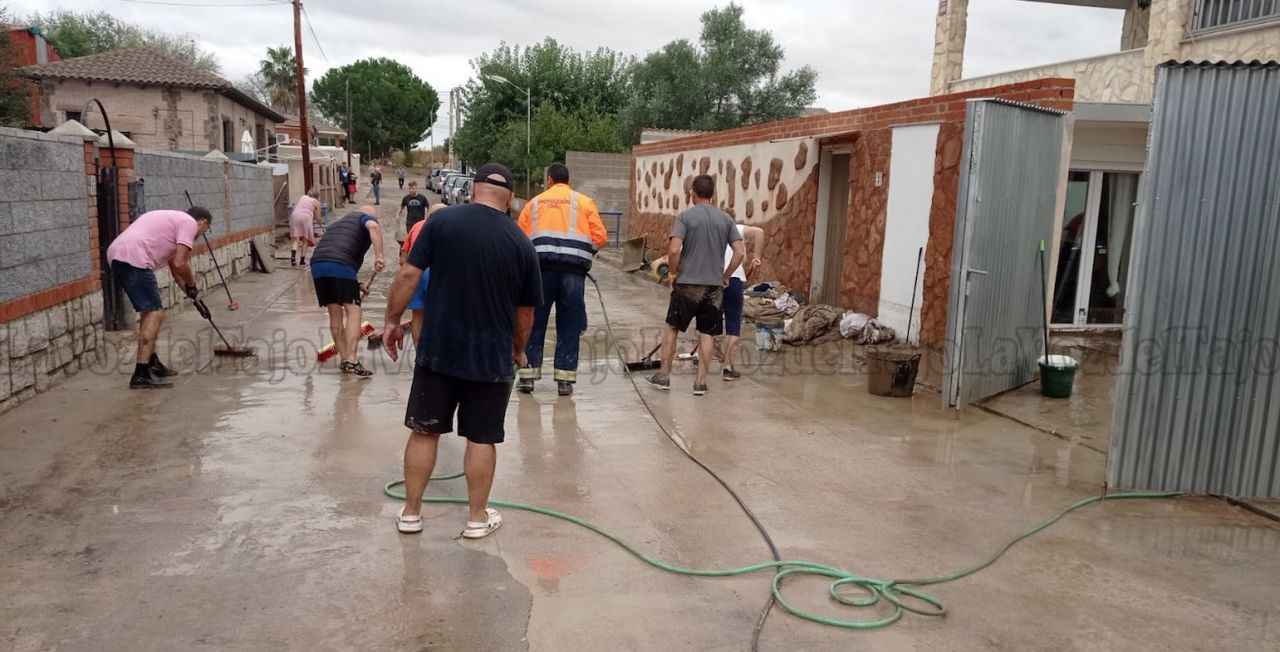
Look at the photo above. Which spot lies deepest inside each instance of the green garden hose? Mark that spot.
(897, 593)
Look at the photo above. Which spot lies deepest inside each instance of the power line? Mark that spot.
(315, 38)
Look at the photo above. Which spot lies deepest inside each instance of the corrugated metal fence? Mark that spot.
(1198, 401)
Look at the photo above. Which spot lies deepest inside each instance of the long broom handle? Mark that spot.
(1044, 301)
(211, 256)
(911, 313)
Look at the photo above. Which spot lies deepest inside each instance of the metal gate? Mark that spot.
(1005, 208)
(1198, 400)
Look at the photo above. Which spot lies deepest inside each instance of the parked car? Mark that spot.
(462, 192)
(435, 180)
(450, 182)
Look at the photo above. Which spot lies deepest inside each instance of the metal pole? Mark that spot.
(528, 143)
(348, 143)
(302, 96)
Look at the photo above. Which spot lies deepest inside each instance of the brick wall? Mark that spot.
(1054, 93)
(605, 178)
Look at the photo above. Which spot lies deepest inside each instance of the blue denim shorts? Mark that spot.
(140, 286)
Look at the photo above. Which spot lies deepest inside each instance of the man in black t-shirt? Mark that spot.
(414, 207)
(485, 283)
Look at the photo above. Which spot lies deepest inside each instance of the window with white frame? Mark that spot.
(1212, 15)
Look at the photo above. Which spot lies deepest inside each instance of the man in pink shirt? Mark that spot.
(155, 239)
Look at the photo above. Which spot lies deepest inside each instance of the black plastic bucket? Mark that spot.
(892, 372)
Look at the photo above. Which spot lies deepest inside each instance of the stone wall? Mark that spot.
(43, 234)
(868, 208)
(942, 228)
(44, 348)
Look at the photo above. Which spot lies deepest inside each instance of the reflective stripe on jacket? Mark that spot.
(565, 228)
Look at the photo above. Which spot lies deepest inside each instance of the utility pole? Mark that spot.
(453, 102)
(302, 96)
(348, 143)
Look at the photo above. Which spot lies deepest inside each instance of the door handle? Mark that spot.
(968, 283)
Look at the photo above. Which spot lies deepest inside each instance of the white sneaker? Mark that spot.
(408, 524)
(480, 530)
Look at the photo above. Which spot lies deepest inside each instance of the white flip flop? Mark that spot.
(408, 524)
(476, 530)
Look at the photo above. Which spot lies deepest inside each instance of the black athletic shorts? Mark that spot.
(701, 302)
(481, 407)
(330, 290)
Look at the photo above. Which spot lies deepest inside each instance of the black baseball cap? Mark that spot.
(490, 169)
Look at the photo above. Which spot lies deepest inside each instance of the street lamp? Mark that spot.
(528, 126)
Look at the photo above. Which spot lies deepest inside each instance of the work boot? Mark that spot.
(158, 369)
(564, 388)
(302, 261)
(147, 381)
(525, 385)
(661, 382)
(700, 388)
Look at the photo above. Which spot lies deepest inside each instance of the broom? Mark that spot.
(331, 349)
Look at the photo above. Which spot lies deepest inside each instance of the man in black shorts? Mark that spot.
(696, 257)
(335, 269)
(485, 284)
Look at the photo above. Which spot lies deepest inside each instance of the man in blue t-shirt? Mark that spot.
(485, 284)
(335, 266)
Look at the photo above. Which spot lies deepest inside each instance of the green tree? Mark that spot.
(15, 98)
(391, 107)
(576, 99)
(79, 33)
(733, 77)
(279, 73)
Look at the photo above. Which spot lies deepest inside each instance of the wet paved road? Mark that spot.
(243, 510)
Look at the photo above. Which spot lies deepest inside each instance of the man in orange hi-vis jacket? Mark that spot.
(566, 231)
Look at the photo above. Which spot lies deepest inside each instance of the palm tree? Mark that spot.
(280, 72)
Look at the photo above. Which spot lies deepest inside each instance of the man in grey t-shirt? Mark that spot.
(696, 257)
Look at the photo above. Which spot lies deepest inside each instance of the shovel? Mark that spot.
(226, 348)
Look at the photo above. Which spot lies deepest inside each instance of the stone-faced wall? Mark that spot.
(942, 229)
(770, 185)
(868, 207)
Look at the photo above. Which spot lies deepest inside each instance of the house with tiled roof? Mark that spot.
(158, 102)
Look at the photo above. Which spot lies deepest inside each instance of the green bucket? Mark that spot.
(1057, 375)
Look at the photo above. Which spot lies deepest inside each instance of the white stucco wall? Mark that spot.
(655, 195)
(906, 231)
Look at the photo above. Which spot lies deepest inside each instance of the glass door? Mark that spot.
(1093, 249)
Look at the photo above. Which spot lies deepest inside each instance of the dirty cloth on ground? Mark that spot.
(864, 330)
(813, 324)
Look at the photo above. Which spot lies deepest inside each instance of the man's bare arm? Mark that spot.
(524, 326)
(674, 247)
(180, 266)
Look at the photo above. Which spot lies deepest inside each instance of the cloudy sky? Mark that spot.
(866, 52)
